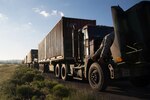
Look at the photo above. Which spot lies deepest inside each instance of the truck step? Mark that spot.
(77, 78)
(70, 75)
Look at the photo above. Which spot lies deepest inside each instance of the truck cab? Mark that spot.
(89, 39)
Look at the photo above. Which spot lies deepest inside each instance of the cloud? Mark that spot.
(44, 13)
(57, 13)
(47, 14)
(3, 17)
(61, 13)
(54, 12)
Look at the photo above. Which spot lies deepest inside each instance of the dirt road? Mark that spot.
(118, 90)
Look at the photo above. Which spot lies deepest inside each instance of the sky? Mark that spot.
(24, 23)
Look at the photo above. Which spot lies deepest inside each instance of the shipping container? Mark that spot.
(42, 50)
(58, 43)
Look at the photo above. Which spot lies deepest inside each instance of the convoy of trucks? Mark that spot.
(67, 48)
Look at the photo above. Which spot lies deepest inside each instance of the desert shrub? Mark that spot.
(7, 97)
(45, 90)
(51, 97)
(16, 81)
(50, 84)
(23, 69)
(38, 77)
(35, 97)
(17, 75)
(36, 71)
(27, 77)
(25, 74)
(41, 97)
(28, 84)
(20, 71)
(41, 84)
(38, 84)
(24, 91)
(37, 92)
(8, 90)
(60, 90)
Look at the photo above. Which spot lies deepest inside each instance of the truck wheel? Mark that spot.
(140, 81)
(64, 72)
(57, 71)
(97, 77)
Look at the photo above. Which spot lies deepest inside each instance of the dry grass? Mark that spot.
(6, 71)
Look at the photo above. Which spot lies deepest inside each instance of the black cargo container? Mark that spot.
(58, 43)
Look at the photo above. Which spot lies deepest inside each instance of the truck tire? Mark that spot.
(140, 81)
(64, 73)
(58, 71)
(97, 77)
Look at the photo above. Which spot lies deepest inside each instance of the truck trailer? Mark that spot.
(56, 47)
(31, 59)
(68, 47)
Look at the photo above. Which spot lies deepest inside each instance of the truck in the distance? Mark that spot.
(31, 59)
(67, 48)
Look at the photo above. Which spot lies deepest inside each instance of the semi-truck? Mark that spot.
(31, 59)
(67, 48)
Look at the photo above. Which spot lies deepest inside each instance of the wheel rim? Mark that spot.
(94, 77)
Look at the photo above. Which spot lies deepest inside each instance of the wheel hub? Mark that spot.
(94, 77)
